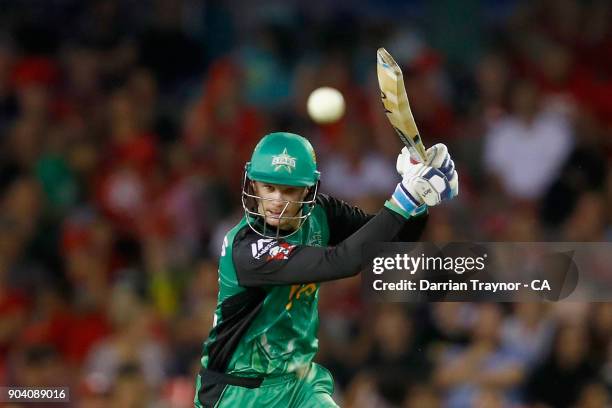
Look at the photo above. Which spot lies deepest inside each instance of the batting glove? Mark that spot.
(438, 158)
(420, 185)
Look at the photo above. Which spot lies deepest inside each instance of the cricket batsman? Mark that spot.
(261, 348)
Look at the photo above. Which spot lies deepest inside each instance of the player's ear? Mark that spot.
(310, 192)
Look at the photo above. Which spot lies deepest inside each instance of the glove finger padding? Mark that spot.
(437, 155)
(439, 158)
(430, 182)
(454, 184)
(431, 186)
(403, 161)
(447, 168)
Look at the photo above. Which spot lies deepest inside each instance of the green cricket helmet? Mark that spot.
(286, 159)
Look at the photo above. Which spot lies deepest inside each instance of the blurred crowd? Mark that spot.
(125, 126)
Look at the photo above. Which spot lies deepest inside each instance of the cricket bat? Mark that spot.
(395, 102)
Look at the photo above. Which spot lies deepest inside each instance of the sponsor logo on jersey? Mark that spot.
(262, 246)
(280, 252)
(315, 239)
(274, 249)
(283, 160)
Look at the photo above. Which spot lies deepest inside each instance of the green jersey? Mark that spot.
(266, 318)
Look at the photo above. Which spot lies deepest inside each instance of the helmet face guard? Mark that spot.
(257, 220)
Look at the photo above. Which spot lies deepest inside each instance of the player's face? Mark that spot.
(278, 198)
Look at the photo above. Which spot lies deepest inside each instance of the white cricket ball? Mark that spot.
(325, 105)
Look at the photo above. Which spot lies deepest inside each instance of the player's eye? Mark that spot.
(292, 191)
(296, 192)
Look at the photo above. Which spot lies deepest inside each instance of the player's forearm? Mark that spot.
(308, 264)
(346, 258)
(413, 229)
(345, 219)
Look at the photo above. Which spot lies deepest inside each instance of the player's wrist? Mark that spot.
(407, 200)
(394, 206)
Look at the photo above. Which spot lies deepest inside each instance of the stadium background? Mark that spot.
(125, 126)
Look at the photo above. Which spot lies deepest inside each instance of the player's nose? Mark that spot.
(277, 198)
(278, 203)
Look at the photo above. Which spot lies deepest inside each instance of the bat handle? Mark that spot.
(415, 156)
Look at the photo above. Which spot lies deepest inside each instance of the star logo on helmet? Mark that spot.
(283, 160)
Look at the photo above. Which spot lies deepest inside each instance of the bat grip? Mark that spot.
(415, 157)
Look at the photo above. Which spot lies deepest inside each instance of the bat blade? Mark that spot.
(395, 101)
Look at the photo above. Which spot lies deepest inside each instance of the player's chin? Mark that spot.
(279, 223)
